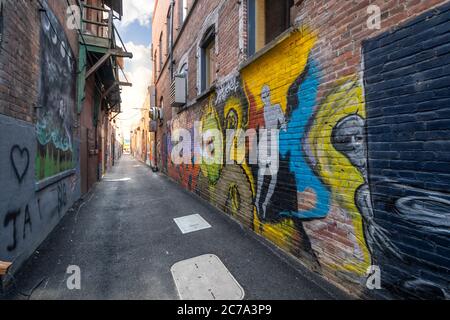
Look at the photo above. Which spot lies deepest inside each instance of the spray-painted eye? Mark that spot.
(63, 49)
(54, 37)
(45, 22)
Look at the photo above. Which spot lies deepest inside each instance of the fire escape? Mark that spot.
(101, 55)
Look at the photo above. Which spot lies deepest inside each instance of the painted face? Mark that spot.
(232, 120)
(265, 95)
(348, 138)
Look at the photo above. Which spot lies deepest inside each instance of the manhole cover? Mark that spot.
(205, 278)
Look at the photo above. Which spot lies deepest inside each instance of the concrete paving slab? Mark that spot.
(205, 278)
(191, 223)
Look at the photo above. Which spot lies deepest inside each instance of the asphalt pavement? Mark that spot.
(124, 240)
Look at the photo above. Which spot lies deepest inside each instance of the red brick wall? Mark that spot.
(18, 79)
(19, 56)
(26, 125)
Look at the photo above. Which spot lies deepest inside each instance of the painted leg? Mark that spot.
(270, 191)
(259, 190)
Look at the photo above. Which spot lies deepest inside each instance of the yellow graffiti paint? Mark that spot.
(334, 168)
(279, 67)
(233, 113)
(233, 120)
(281, 233)
(234, 109)
(212, 163)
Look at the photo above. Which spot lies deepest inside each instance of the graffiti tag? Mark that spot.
(225, 89)
(20, 161)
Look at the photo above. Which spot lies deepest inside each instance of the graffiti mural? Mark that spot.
(56, 100)
(185, 174)
(288, 126)
(28, 211)
(289, 108)
(348, 177)
(337, 151)
(277, 105)
(212, 165)
(31, 205)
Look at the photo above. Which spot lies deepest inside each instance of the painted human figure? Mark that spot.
(268, 165)
(348, 137)
(411, 208)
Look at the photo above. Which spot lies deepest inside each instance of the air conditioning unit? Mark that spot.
(178, 91)
(156, 114)
(152, 93)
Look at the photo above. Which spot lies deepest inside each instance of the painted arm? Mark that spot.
(281, 119)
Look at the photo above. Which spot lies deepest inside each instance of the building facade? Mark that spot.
(357, 93)
(143, 135)
(57, 134)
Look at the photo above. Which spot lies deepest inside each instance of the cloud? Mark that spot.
(139, 72)
(137, 10)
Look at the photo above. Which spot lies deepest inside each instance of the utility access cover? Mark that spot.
(205, 278)
(191, 223)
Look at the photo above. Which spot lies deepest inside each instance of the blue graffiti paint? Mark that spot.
(291, 142)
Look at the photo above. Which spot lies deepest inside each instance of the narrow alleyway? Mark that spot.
(124, 240)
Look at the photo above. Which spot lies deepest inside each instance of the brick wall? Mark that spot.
(363, 131)
(39, 140)
(19, 80)
(407, 82)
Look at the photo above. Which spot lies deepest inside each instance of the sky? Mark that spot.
(136, 32)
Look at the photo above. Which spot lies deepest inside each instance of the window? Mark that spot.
(208, 59)
(155, 65)
(160, 53)
(161, 111)
(266, 20)
(181, 87)
(182, 11)
(168, 30)
(169, 39)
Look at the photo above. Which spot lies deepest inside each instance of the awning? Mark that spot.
(116, 5)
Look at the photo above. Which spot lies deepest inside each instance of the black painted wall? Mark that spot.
(407, 87)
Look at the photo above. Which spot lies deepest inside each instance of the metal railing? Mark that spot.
(98, 22)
